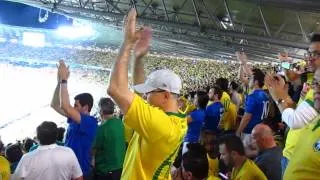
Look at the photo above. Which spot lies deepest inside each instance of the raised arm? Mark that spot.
(118, 85)
(63, 72)
(55, 102)
(140, 50)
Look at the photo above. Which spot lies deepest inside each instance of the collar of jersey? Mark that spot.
(180, 115)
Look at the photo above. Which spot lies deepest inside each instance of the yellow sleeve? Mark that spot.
(128, 133)
(148, 121)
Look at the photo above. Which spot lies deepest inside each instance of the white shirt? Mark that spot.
(51, 162)
(299, 117)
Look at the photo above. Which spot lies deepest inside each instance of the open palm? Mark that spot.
(143, 44)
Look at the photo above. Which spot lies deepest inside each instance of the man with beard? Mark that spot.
(232, 153)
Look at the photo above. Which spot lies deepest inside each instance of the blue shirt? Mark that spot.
(195, 126)
(80, 138)
(257, 104)
(214, 114)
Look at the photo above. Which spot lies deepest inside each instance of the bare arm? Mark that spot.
(55, 103)
(118, 86)
(244, 122)
(138, 71)
(70, 112)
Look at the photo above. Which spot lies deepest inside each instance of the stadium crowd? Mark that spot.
(221, 128)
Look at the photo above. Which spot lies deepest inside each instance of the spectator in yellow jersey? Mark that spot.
(233, 155)
(158, 126)
(4, 168)
(304, 164)
(228, 123)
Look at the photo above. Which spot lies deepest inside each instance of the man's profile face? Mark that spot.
(314, 60)
(225, 155)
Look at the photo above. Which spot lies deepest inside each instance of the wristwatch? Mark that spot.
(63, 81)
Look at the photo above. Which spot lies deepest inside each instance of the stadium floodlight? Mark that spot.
(73, 32)
(34, 39)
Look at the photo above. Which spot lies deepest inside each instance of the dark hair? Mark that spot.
(85, 99)
(13, 153)
(217, 91)
(222, 83)
(233, 143)
(60, 134)
(106, 106)
(203, 99)
(195, 160)
(258, 75)
(234, 85)
(47, 133)
(27, 144)
(315, 37)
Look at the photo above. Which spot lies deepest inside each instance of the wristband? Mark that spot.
(63, 81)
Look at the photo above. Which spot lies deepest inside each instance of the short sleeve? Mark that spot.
(148, 121)
(75, 166)
(250, 105)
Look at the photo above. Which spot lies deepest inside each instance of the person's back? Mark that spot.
(111, 147)
(158, 140)
(195, 126)
(257, 105)
(230, 113)
(50, 162)
(214, 113)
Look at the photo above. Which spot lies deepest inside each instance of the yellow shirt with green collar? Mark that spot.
(306, 160)
(155, 142)
(248, 171)
(230, 113)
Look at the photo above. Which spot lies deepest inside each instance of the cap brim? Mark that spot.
(143, 88)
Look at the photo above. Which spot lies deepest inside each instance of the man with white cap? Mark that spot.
(158, 127)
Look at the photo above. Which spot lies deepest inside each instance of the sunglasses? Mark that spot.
(313, 54)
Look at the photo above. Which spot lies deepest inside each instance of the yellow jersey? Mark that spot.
(4, 168)
(248, 171)
(213, 172)
(306, 160)
(230, 113)
(155, 142)
(294, 134)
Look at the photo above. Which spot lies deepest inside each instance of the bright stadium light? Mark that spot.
(33, 39)
(73, 32)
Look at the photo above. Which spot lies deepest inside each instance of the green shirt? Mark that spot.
(109, 146)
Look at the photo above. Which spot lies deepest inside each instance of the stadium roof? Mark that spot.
(208, 28)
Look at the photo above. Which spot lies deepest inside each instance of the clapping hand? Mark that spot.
(63, 71)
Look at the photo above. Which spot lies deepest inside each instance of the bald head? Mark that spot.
(262, 136)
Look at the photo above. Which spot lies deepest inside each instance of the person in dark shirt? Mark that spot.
(13, 154)
(269, 157)
(82, 126)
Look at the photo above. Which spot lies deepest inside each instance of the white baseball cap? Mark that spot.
(163, 79)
